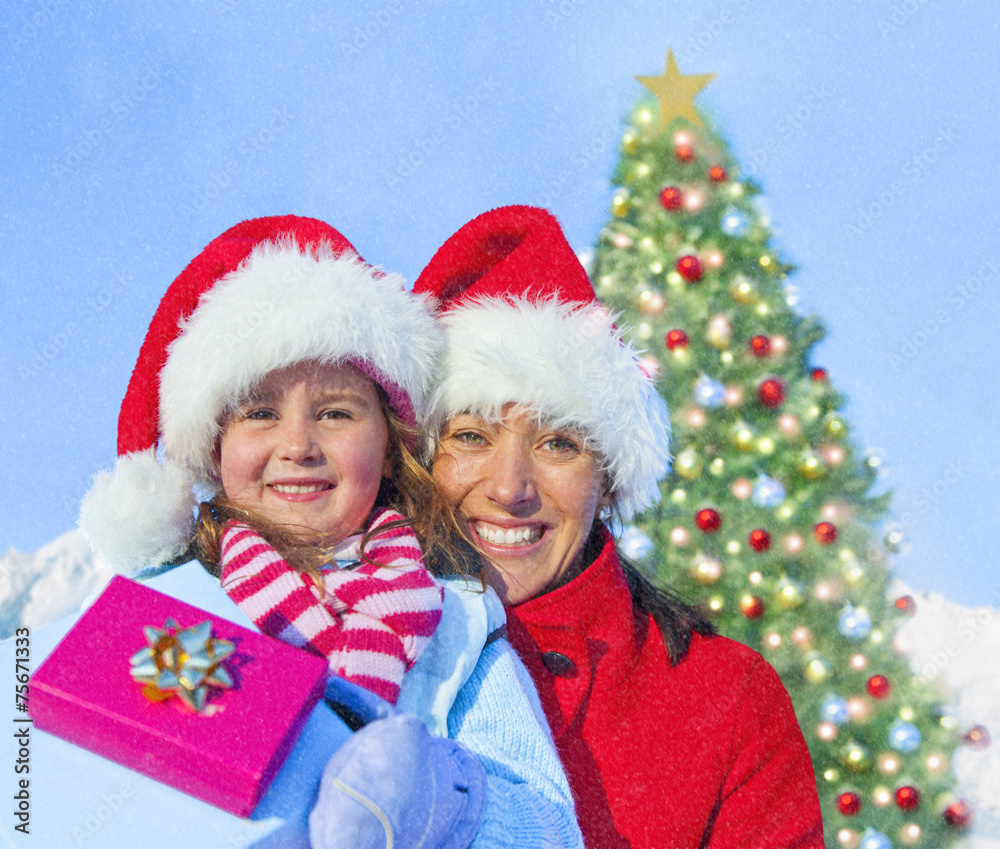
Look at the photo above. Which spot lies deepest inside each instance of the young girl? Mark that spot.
(285, 375)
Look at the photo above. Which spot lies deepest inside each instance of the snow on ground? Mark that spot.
(958, 646)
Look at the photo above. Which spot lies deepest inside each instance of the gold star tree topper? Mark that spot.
(676, 92)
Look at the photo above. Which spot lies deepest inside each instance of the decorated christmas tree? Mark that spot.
(768, 521)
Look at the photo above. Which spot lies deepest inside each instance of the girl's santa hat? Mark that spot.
(266, 294)
(523, 325)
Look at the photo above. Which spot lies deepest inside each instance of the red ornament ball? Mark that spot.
(671, 199)
(771, 392)
(684, 153)
(717, 174)
(760, 346)
(752, 606)
(978, 737)
(908, 798)
(906, 604)
(825, 533)
(689, 267)
(878, 686)
(760, 540)
(848, 804)
(676, 339)
(708, 520)
(958, 814)
(819, 374)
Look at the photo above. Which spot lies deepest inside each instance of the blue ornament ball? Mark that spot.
(854, 622)
(872, 839)
(734, 222)
(767, 492)
(709, 392)
(904, 736)
(634, 544)
(834, 709)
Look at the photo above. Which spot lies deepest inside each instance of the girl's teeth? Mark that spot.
(298, 490)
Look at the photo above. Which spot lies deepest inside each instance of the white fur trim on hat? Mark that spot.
(140, 514)
(567, 362)
(281, 307)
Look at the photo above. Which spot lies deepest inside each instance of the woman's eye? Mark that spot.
(560, 443)
(335, 414)
(469, 437)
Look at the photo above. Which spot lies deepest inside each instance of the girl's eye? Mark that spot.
(258, 414)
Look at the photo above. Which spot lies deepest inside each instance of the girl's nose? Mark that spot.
(298, 441)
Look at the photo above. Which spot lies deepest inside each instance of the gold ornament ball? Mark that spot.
(630, 142)
(717, 466)
(706, 570)
(773, 640)
(811, 466)
(620, 205)
(719, 332)
(816, 668)
(836, 427)
(790, 594)
(716, 604)
(802, 637)
(859, 662)
(909, 834)
(793, 543)
(743, 290)
(848, 838)
(831, 774)
(688, 464)
(881, 796)
(743, 438)
(855, 757)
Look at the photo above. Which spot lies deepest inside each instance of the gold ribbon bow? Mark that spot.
(183, 662)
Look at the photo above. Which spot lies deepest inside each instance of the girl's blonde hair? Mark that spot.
(410, 490)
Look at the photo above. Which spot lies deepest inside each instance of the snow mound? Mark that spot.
(960, 648)
(37, 588)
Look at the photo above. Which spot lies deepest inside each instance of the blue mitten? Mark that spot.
(394, 786)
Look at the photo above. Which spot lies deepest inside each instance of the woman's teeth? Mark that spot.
(510, 536)
(298, 490)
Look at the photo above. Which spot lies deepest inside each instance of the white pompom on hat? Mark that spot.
(523, 325)
(266, 294)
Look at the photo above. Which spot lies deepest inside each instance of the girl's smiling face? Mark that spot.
(308, 450)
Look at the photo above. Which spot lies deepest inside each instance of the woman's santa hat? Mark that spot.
(523, 325)
(266, 294)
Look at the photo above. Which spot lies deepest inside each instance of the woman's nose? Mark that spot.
(510, 481)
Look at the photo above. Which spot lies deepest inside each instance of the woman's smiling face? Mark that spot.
(529, 494)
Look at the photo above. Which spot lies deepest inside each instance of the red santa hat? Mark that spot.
(266, 294)
(522, 325)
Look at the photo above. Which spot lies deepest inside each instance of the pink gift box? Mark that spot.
(226, 755)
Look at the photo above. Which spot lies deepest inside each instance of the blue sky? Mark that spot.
(132, 134)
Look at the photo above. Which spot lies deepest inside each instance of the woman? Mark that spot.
(670, 736)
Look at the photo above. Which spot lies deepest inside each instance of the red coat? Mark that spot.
(704, 754)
